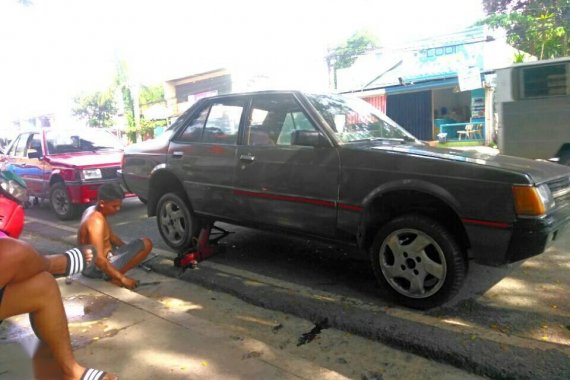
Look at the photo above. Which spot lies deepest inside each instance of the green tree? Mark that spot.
(97, 108)
(345, 54)
(540, 28)
(123, 86)
(150, 96)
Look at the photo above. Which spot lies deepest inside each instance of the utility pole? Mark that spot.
(135, 91)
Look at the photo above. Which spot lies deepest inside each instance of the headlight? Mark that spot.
(532, 201)
(13, 186)
(15, 190)
(87, 174)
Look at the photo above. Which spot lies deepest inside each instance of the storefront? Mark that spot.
(435, 107)
(437, 89)
(459, 115)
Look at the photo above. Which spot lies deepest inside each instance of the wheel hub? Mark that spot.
(412, 263)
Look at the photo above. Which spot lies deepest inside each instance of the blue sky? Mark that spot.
(55, 49)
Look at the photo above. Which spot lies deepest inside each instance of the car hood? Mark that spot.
(537, 171)
(87, 160)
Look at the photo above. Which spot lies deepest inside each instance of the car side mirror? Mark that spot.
(308, 138)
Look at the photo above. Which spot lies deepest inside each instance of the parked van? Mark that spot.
(533, 106)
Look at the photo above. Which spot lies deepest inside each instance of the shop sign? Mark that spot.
(469, 78)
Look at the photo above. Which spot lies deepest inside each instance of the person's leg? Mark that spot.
(45, 366)
(26, 262)
(19, 261)
(135, 254)
(40, 297)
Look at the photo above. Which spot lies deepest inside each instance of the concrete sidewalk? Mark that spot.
(138, 338)
(502, 325)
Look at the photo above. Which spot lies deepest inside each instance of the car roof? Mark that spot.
(250, 93)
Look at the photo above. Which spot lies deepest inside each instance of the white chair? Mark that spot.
(477, 131)
(466, 132)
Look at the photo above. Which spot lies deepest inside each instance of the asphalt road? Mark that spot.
(506, 323)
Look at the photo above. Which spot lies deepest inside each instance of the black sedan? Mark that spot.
(335, 168)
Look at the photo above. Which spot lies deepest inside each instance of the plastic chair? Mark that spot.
(467, 132)
(477, 131)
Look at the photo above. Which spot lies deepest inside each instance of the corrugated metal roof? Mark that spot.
(421, 86)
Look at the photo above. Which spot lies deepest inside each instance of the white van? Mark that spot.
(533, 106)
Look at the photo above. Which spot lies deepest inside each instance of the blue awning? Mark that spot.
(422, 86)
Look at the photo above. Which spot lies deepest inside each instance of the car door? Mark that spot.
(203, 155)
(281, 184)
(25, 158)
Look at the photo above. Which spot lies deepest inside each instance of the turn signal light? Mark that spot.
(528, 201)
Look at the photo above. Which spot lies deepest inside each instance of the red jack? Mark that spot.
(203, 250)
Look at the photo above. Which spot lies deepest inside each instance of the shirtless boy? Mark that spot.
(114, 257)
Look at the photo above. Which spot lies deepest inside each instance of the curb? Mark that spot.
(475, 351)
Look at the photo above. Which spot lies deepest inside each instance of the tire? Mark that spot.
(176, 222)
(417, 262)
(60, 202)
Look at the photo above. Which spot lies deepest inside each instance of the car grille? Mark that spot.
(109, 173)
(560, 190)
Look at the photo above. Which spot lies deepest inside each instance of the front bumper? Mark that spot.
(523, 239)
(85, 193)
(532, 237)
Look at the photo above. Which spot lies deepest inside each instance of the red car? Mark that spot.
(66, 166)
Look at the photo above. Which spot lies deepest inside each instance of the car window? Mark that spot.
(273, 119)
(294, 121)
(193, 132)
(21, 146)
(222, 124)
(35, 144)
(354, 120)
(11, 150)
(65, 141)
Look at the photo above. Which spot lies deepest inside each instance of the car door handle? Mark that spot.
(247, 157)
(177, 154)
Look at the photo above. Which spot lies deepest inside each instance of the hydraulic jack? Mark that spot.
(205, 247)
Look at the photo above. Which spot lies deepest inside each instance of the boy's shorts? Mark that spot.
(120, 256)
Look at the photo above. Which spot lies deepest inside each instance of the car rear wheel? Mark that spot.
(176, 222)
(417, 262)
(61, 203)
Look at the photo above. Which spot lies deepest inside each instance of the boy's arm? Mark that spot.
(116, 241)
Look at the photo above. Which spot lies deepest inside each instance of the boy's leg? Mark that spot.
(132, 254)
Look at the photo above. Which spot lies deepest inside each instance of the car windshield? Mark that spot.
(61, 141)
(354, 120)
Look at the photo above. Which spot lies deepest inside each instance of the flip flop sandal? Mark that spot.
(76, 262)
(93, 374)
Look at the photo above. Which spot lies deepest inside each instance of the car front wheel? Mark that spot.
(61, 203)
(417, 262)
(176, 222)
